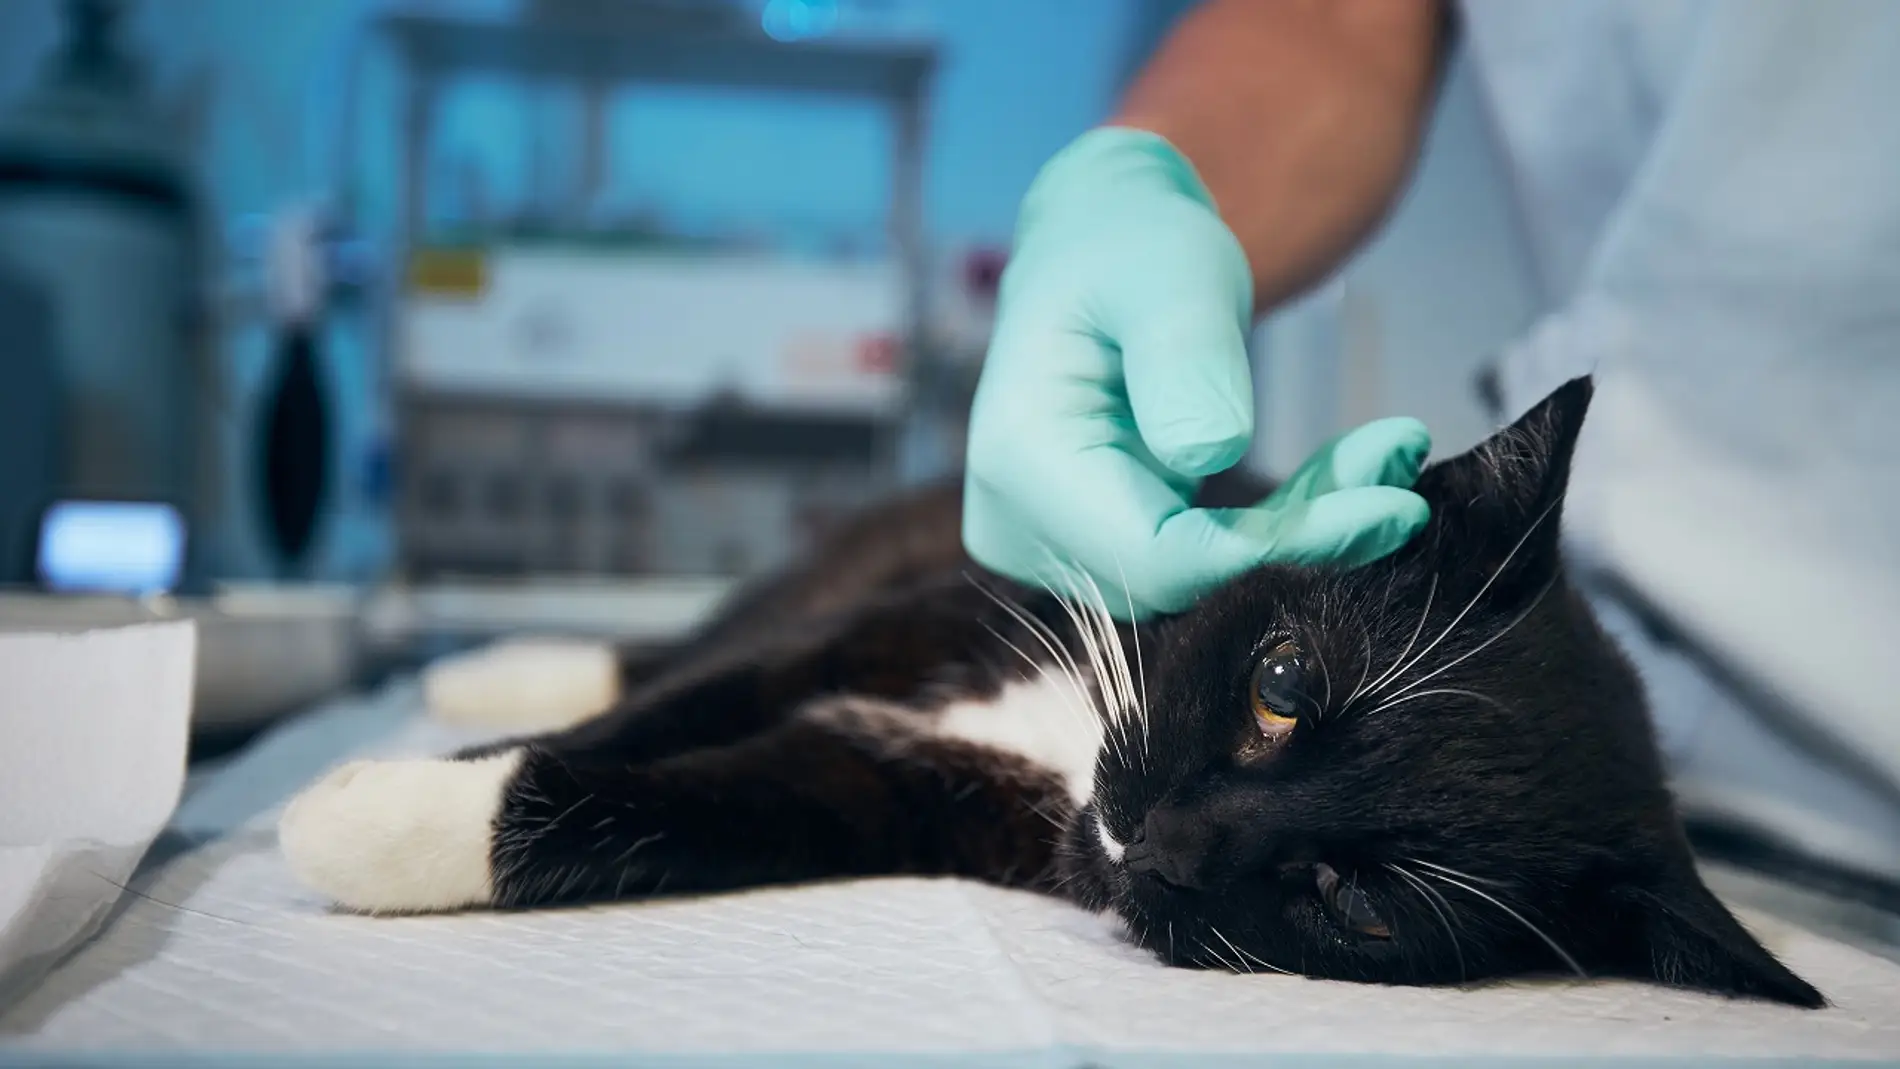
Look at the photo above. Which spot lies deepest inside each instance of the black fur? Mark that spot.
(1498, 803)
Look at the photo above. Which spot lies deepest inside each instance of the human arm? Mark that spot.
(1118, 374)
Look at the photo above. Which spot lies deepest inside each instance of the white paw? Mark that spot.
(399, 836)
(527, 686)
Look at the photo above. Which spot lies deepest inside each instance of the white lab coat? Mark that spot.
(1711, 193)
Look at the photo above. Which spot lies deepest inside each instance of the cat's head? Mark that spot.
(1431, 769)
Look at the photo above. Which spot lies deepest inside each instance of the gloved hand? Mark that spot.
(1117, 378)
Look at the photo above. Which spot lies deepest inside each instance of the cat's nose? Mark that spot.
(1172, 846)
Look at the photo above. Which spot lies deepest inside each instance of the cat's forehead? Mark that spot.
(1317, 604)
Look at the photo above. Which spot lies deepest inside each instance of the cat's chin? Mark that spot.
(1086, 875)
(1167, 941)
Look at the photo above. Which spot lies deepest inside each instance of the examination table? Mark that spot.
(216, 956)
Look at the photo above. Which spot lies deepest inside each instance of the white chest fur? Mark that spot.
(1041, 720)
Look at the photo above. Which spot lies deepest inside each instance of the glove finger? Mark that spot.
(1385, 452)
(1347, 527)
(1098, 510)
(1183, 341)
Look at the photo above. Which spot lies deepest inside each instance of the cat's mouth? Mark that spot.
(1112, 847)
(1153, 910)
(1177, 936)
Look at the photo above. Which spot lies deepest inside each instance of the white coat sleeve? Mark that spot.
(1741, 466)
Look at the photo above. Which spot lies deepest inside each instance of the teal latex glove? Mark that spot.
(1117, 379)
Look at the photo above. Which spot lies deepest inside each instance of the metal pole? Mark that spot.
(593, 145)
(907, 237)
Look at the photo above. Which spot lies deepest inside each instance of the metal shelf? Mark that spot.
(895, 71)
(598, 56)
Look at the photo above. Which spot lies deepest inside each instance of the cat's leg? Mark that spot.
(746, 766)
(534, 685)
(912, 647)
(523, 685)
(846, 788)
(718, 695)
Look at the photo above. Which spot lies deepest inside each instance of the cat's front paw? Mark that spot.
(530, 685)
(399, 836)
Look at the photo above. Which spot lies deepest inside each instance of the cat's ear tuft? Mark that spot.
(1503, 500)
(1673, 930)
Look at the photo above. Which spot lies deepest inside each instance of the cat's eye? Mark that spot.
(1277, 688)
(1350, 907)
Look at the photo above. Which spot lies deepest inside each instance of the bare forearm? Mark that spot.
(1301, 116)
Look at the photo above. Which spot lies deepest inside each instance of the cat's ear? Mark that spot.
(1673, 930)
(1496, 509)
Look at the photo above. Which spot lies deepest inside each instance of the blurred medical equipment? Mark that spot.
(129, 547)
(29, 422)
(110, 410)
(589, 402)
(300, 443)
(101, 248)
(293, 475)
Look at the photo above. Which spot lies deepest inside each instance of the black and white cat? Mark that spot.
(1429, 770)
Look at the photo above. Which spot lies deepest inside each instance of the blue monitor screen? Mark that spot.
(119, 547)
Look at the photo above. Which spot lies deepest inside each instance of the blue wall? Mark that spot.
(1019, 79)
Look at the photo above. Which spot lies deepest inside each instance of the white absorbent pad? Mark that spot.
(220, 954)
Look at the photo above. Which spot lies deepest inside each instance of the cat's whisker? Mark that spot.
(1432, 899)
(1053, 645)
(1064, 666)
(1101, 640)
(1325, 675)
(1017, 650)
(1448, 870)
(1248, 961)
(1514, 915)
(1092, 649)
(1431, 593)
(1443, 901)
(1318, 711)
(1111, 635)
(628, 853)
(1366, 671)
(1062, 883)
(1479, 596)
(1124, 676)
(1066, 601)
(1532, 607)
(1256, 959)
(1141, 667)
(1082, 717)
(1413, 695)
(1438, 895)
(1087, 707)
(1270, 967)
(1038, 810)
(1212, 953)
(1108, 684)
(1248, 969)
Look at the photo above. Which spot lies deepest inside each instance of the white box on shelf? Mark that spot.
(659, 328)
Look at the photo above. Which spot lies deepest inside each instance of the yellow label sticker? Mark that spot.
(448, 272)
